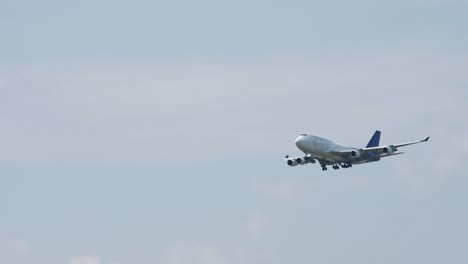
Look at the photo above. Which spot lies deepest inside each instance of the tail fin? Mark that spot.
(374, 142)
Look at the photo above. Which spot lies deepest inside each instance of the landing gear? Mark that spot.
(346, 165)
(323, 164)
(335, 166)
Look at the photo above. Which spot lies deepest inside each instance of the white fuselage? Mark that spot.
(320, 147)
(327, 152)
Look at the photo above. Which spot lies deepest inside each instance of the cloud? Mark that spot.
(425, 167)
(257, 224)
(15, 251)
(194, 254)
(18, 246)
(128, 112)
(282, 189)
(84, 260)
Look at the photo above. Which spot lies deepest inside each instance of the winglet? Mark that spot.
(425, 140)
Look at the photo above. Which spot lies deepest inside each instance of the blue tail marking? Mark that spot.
(374, 141)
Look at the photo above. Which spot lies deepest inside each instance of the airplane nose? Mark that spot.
(299, 141)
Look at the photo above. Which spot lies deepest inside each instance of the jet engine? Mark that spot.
(291, 162)
(387, 150)
(305, 160)
(301, 161)
(355, 154)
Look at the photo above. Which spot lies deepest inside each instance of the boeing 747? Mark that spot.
(327, 152)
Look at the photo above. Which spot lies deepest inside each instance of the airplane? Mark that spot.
(327, 152)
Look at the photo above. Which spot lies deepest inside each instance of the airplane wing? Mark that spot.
(375, 151)
(411, 143)
(366, 153)
(391, 148)
(393, 154)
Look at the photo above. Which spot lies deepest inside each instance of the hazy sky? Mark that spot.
(153, 132)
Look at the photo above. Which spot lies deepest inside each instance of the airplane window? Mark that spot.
(303, 134)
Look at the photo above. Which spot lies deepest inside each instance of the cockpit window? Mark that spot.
(303, 134)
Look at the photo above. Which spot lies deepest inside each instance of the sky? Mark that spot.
(153, 132)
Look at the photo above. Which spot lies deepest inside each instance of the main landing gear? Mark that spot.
(346, 165)
(337, 166)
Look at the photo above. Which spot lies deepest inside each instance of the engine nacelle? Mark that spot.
(301, 161)
(355, 154)
(291, 162)
(387, 150)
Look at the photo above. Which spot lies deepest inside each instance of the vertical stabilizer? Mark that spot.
(374, 141)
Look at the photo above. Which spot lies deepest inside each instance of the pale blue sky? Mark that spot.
(154, 132)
